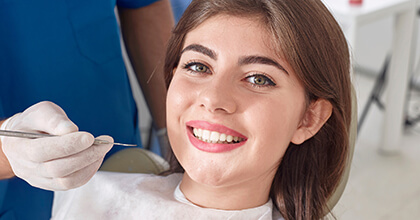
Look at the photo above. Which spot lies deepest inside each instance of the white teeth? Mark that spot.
(215, 137)
(229, 138)
(206, 135)
(222, 137)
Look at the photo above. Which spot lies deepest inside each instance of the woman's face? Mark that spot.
(233, 105)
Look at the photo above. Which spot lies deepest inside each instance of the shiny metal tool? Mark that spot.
(20, 134)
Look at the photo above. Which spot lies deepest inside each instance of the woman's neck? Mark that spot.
(240, 196)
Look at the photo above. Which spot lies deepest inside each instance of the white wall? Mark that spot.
(374, 42)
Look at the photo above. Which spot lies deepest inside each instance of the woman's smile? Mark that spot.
(213, 138)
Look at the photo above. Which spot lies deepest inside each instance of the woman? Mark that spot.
(258, 117)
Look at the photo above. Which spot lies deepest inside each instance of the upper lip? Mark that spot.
(214, 127)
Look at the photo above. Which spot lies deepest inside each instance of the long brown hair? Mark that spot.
(308, 37)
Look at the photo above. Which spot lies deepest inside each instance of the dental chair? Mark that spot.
(352, 141)
(137, 160)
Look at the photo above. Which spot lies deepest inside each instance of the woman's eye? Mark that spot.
(197, 67)
(260, 80)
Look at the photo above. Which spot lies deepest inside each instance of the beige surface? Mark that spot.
(135, 160)
(353, 134)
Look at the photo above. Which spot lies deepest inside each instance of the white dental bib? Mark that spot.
(111, 195)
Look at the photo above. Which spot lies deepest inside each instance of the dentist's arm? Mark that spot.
(146, 31)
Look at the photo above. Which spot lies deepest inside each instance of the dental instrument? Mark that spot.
(20, 134)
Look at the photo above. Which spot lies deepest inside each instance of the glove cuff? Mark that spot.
(4, 125)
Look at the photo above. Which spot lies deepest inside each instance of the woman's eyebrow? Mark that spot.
(261, 60)
(201, 49)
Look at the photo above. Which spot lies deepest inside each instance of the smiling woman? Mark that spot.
(276, 72)
(227, 98)
(258, 115)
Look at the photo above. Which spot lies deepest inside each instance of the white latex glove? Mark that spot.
(53, 163)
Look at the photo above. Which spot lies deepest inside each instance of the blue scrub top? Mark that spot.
(178, 8)
(67, 52)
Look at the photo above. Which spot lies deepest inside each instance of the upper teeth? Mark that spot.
(214, 136)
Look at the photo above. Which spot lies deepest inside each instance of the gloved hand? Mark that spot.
(53, 163)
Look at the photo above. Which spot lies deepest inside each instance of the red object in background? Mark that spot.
(356, 2)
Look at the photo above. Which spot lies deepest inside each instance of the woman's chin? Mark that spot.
(213, 177)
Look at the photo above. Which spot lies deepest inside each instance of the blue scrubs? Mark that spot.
(67, 52)
(178, 7)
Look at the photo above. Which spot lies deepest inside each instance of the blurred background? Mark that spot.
(381, 186)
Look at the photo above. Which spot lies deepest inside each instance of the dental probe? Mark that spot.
(20, 134)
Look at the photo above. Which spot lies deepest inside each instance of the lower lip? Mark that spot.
(356, 2)
(211, 147)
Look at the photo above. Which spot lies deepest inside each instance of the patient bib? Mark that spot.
(142, 196)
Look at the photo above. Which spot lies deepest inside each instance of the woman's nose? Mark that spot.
(218, 96)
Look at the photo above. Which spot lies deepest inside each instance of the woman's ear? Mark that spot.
(316, 115)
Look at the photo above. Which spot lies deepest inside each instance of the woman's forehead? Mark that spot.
(232, 31)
